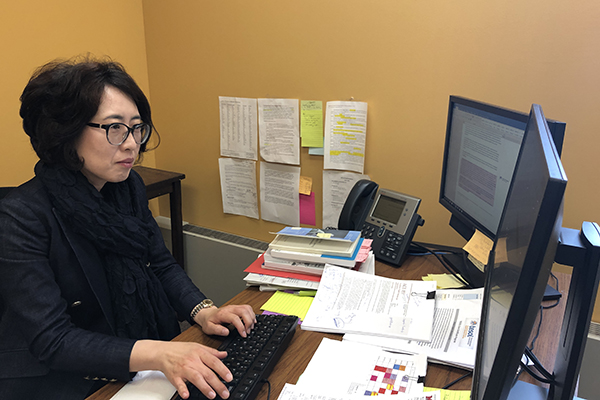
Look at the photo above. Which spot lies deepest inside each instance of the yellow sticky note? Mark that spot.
(305, 185)
(444, 281)
(288, 303)
(451, 394)
(501, 251)
(311, 123)
(479, 247)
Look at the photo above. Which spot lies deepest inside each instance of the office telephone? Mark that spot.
(389, 218)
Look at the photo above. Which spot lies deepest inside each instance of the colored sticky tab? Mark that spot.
(289, 304)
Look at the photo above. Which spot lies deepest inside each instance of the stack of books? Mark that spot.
(297, 256)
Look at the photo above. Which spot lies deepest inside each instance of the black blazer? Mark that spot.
(56, 322)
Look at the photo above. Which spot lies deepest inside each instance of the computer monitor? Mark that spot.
(520, 264)
(481, 149)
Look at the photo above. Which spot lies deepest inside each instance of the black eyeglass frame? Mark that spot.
(106, 127)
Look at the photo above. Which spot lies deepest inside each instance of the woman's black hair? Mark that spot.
(63, 96)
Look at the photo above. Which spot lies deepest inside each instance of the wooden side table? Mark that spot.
(159, 182)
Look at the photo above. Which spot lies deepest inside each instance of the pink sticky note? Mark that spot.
(307, 209)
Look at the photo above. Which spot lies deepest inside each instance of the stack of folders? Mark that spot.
(297, 256)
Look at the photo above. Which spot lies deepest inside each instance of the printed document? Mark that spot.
(238, 127)
(455, 330)
(292, 392)
(351, 302)
(279, 197)
(238, 187)
(346, 368)
(336, 186)
(345, 135)
(279, 130)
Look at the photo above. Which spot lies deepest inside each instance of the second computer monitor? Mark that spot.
(482, 144)
(481, 149)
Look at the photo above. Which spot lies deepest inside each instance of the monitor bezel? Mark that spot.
(532, 280)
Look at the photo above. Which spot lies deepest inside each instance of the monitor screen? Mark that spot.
(482, 144)
(523, 255)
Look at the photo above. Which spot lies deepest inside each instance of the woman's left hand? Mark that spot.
(212, 320)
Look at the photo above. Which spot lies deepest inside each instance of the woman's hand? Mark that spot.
(212, 320)
(183, 362)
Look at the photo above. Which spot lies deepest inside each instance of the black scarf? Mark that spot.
(113, 222)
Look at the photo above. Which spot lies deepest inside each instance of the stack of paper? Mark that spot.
(305, 242)
(455, 330)
(316, 247)
(307, 250)
(350, 302)
(272, 279)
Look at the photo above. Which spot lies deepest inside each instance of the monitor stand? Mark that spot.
(476, 278)
(460, 264)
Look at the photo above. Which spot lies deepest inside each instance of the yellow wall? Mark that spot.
(33, 32)
(404, 58)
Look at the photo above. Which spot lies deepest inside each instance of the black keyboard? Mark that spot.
(252, 359)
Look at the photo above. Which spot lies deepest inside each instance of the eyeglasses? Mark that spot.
(117, 132)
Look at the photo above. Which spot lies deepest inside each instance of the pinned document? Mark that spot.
(345, 135)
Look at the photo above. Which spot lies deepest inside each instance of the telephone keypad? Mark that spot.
(392, 241)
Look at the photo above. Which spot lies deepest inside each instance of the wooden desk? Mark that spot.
(159, 182)
(305, 343)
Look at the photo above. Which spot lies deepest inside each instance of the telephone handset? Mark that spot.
(389, 218)
(357, 205)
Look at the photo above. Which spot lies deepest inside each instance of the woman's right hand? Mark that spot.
(183, 362)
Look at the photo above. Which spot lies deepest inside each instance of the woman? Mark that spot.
(88, 291)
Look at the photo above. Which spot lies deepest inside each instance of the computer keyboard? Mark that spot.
(252, 359)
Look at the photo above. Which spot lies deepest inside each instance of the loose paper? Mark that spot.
(292, 392)
(455, 330)
(352, 302)
(346, 368)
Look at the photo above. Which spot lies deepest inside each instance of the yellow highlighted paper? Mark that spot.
(288, 303)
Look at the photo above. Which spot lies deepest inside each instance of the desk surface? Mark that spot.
(296, 358)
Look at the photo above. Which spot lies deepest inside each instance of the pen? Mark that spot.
(308, 293)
